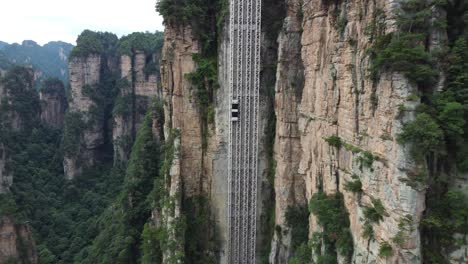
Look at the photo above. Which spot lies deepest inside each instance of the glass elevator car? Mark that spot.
(235, 110)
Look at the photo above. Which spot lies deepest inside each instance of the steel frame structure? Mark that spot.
(244, 84)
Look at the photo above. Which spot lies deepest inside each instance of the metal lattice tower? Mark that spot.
(244, 83)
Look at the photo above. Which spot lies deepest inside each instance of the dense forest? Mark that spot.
(75, 221)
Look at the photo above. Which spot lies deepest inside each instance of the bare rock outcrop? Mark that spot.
(180, 108)
(289, 183)
(338, 99)
(53, 103)
(16, 243)
(84, 71)
(85, 74)
(137, 89)
(202, 168)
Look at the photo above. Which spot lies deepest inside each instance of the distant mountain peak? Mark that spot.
(29, 43)
(51, 59)
(3, 44)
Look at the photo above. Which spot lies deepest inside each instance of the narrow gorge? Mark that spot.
(362, 154)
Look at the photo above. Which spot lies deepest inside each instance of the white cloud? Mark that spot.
(50, 20)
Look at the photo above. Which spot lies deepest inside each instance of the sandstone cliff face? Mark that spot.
(201, 171)
(53, 104)
(83, 71)
(145, 84)
(84, 74)
(16, 243)
(180, 109)
(339, 99)
(136, 92)
(289, 183)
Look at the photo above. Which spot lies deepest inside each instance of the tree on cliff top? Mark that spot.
(90, 42)
(146, 42)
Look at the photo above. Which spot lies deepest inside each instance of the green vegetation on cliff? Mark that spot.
(335, 237)
(332, 215)
(297, 221)
(50, 59)
(73, 221)
(149, 43)
(205, 17)
(120, 227)
(94, 43)
(60, 213)
(438, 135)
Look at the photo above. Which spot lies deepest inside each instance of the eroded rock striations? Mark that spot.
(16, 243)
(341, 127)
(338, 99)
(112, 86)
(53, 103)
(289, 183)
(336, 134)
(138, 87)
(85, 76)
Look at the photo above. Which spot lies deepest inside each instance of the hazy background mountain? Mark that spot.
(50, 60)
(3, 44)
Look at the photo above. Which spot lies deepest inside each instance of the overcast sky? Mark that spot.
(50, 20)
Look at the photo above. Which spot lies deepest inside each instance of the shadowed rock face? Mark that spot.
(16, 243)
(5, 178)
(136, 94)
(53, 103)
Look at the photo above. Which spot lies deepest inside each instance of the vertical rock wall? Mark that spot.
(53, 104)
(136, 91)
(16, 243)
(338, 98)
(289, 183)
(85, 73)
(123, 131)
(180, 108)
